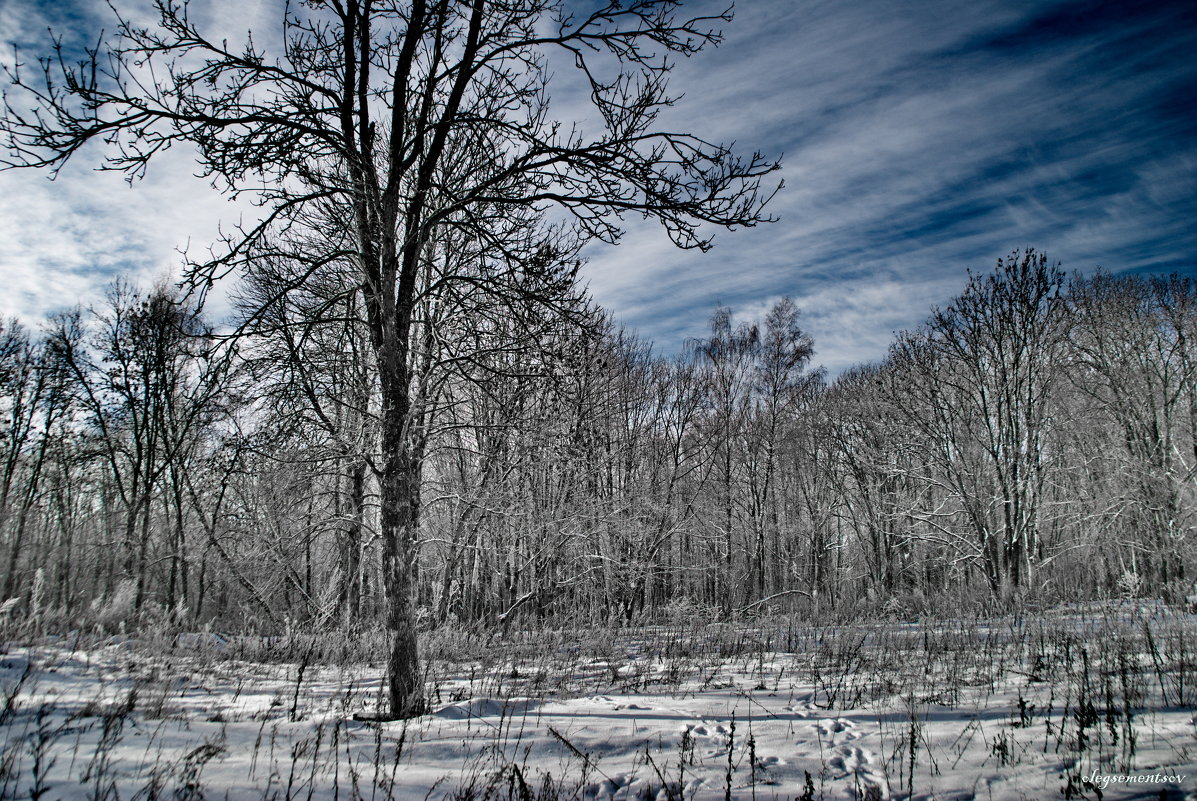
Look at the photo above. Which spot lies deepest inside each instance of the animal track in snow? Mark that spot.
(710, 740)
(851, 760)
(704, 729)
(630, 787)
(838, 730)
(856, 763)
(805, 703)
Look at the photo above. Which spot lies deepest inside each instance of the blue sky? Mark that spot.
(919, 139)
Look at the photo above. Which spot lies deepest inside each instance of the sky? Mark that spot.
(919, 140)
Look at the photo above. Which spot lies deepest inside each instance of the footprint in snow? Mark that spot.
(838, 730)
(807, 703)
(706, 730)
(619, 786)
(851, 760)
(711, 739)
(857, 762)
(629, 787)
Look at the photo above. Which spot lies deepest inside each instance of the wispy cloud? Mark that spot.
(67, 238)
(919, 140)
(925, 139)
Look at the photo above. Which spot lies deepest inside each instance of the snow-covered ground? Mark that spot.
(1013, 709)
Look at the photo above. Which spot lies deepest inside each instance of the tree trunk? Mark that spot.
(143, 547)
(351, 586)
(400, 488)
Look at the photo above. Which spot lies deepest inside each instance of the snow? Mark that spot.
(951, 710)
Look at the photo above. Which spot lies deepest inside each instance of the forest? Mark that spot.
(1032, 442)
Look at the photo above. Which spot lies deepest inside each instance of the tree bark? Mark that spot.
(399, 519)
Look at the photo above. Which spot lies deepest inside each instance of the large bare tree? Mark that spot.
(396, 121)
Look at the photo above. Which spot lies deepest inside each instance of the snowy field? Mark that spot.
(1096, 703)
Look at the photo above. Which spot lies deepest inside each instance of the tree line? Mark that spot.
(1032, 440)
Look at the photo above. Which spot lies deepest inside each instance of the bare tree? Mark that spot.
(984, 370)
(146, 393)
(1133, 345)
(727, 358)
(782, 384)
(33, 400)
(876, 480)
(396, 121)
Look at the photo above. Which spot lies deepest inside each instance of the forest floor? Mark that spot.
(1097, 703)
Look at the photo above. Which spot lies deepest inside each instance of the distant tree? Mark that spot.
(727, 359)
(390, 124)
(33, 401)
(146, 387)
(1134, 343)
(309, 349)
(676, 461)
(757, 383)
(984, 370)
(866, 453)
(782, 384)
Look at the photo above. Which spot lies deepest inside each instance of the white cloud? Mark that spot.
(66, 239)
